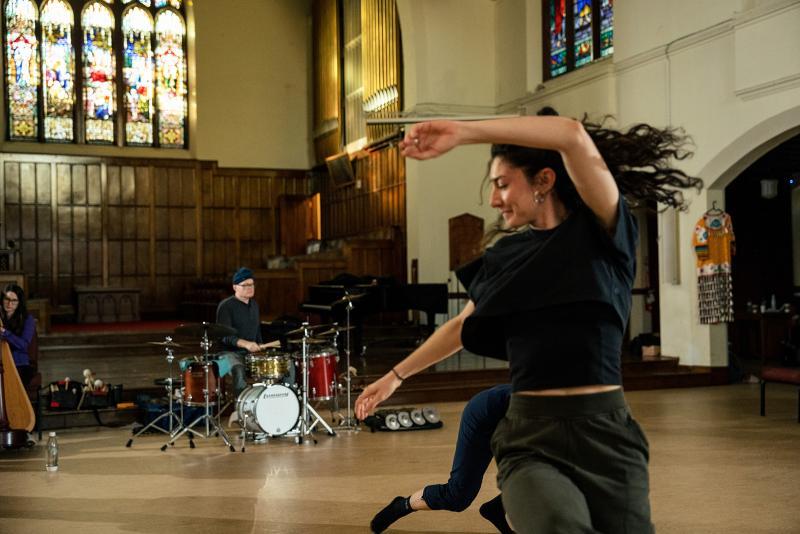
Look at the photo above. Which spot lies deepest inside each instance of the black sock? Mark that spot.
(399, 507)
(494, 513)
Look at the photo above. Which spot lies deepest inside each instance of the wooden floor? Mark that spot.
(716, 467)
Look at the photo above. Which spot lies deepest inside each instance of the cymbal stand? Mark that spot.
(171, 415)
(348, 423)
(306, 428)
(210, 421)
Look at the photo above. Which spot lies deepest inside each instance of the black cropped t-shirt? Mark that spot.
(555, 302)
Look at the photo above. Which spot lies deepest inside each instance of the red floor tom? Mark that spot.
(321, 372)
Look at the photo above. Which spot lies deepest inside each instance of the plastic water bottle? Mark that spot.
(52, 453)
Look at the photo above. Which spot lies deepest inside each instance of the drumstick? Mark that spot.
(271, 344)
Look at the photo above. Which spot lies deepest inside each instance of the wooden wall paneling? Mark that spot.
(277, 292)
(11, 182)
(198, 180)
(95, 263)
(115, 262)
(79, 193)
(11, 201)
(127, 185)
(27, 184)
(104, 224)
(53, 235)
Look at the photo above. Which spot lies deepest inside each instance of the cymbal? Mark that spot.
(310, 341)
(303, 329)
(347, 298)
(334, 330)
(212, 330)
(165, 343)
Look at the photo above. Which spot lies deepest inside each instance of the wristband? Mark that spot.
(400, 378)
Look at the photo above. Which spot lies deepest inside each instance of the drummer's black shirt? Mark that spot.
(555, 302)
(244, 318)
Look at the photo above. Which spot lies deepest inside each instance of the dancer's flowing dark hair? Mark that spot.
(640, 160)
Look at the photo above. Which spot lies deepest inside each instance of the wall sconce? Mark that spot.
(769, 188)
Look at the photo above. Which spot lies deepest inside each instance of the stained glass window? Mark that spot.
(137, 71)
(583, 32)
(60, 77)
(22, 64)
(170, 78)
(577, 33)
(606, 27)
(558, 38)
(99, 108)
(58, 70)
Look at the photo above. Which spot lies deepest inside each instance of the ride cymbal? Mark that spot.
(302, 329)
(310, 341)
(212, 330)
(334, 330)
(165, 343)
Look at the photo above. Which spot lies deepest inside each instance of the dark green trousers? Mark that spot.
(573, 465)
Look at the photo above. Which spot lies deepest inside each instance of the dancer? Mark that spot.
(555, 298)
(470, 460)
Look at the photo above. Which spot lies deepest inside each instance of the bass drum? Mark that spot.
(272, 408)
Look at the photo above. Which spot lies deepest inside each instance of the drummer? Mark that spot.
(240, 312)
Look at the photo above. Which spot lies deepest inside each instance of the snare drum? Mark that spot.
(194, 382)
(273, 409)
(271, 366)
(321, 373)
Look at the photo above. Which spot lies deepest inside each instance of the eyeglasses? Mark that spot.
(12, 301)
(247, 285)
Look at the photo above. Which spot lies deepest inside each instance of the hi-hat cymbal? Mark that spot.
(310, 341)
(334, 330)
(165, 343)
(212, 330)
(309, 327)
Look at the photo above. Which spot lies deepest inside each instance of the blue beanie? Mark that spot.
(241, 275)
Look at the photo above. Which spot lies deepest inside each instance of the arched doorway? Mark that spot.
(764, 203)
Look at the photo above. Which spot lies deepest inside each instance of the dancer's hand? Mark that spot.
(428, 140)
(376, 393)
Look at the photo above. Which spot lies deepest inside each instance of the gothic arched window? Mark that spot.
(137, 32)
(170, 77)
(22, 68)
(112, 71)
(58, 70)
(99, 102)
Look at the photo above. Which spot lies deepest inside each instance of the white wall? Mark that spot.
(253, 65)
(726, 70)
(448, 54)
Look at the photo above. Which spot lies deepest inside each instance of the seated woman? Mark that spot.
(18, 327)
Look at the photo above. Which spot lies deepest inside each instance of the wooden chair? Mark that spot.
(782, 375)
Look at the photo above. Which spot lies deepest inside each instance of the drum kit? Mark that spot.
(278, 401)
